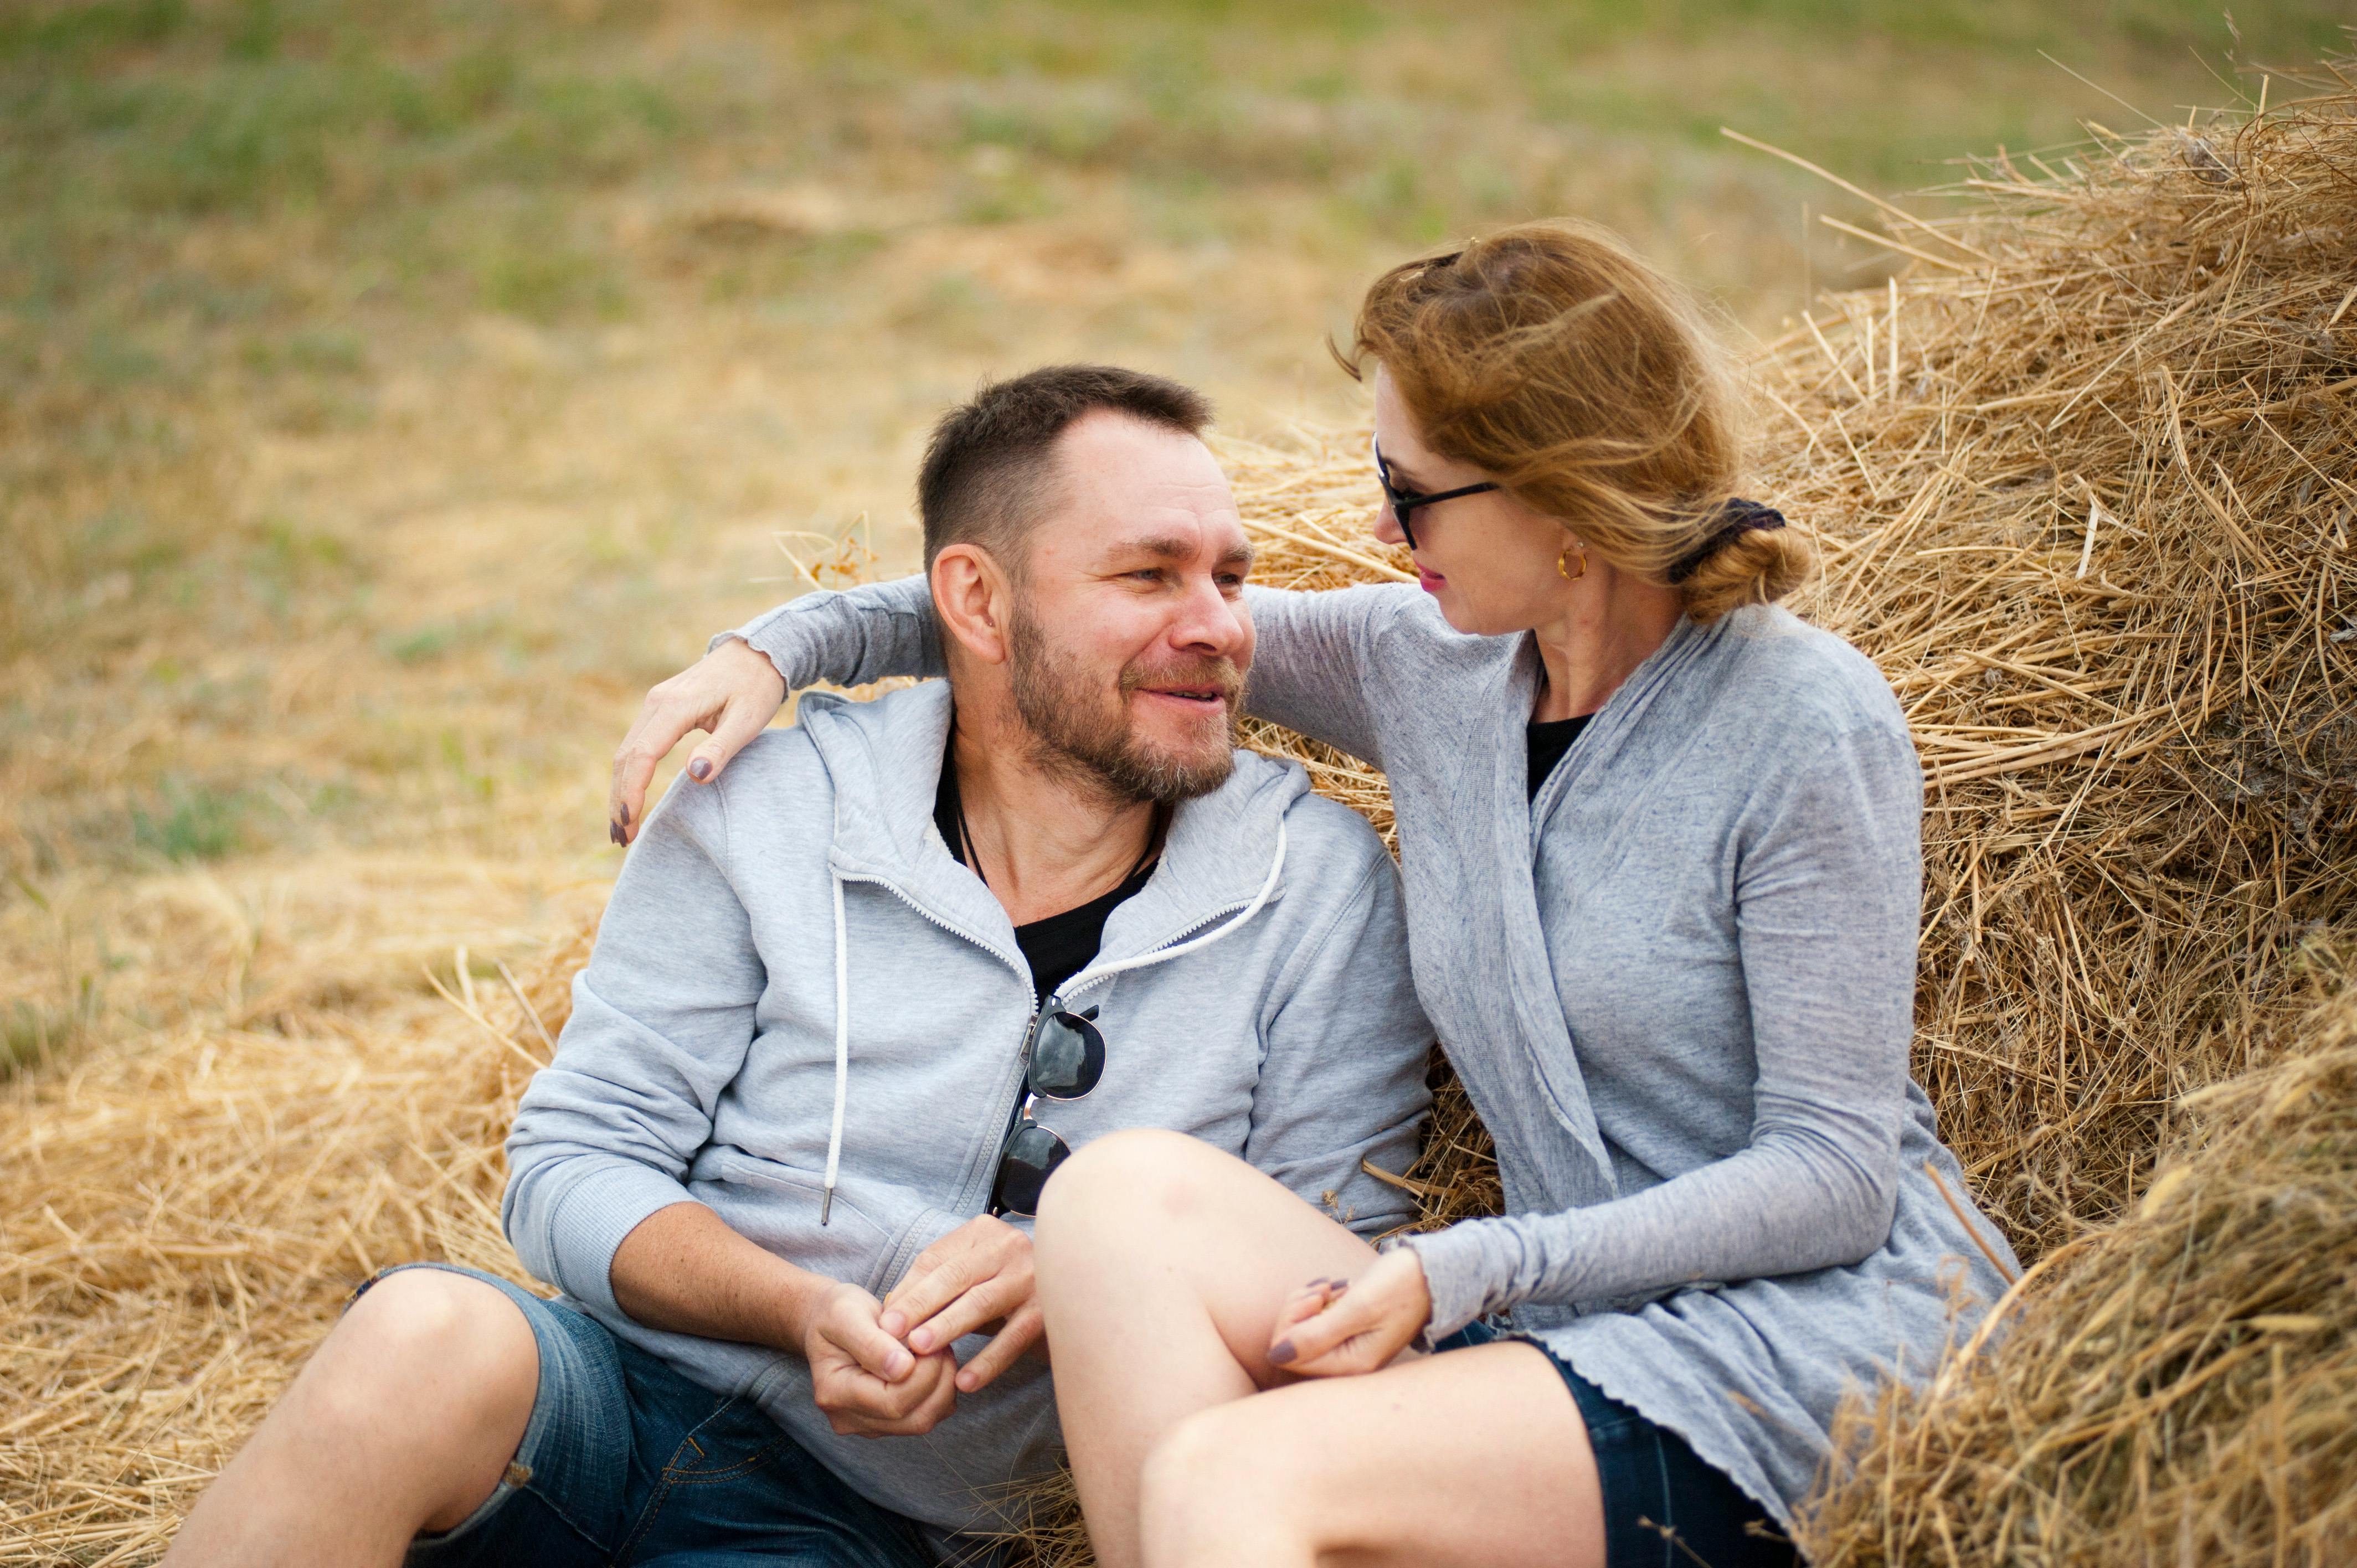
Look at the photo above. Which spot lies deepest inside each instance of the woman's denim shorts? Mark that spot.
(1663, 1507)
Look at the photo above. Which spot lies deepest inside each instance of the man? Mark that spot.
(848, 1007)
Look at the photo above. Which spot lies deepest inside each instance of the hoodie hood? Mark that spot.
(885, 760)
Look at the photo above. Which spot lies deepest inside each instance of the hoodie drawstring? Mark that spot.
(842, 1050)
(1157, 955)
(1139, 961)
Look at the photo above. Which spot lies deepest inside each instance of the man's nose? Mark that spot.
(1209, 621)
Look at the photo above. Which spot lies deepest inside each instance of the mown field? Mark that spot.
(390, 391)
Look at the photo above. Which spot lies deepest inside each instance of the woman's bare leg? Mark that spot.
(1474, 1459)
(1162, 1266)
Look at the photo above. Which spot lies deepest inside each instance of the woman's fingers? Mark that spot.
(1356, 1333)
(739, 721)
(1305, 1303)
(732, 692)
(1316, 1336)
(1365, 1323)
(661, 725)
(1023, 1330)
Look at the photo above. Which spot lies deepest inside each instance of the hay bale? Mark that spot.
(2177, 1388)
(2086, 494)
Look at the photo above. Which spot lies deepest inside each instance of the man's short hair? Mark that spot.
(990, 467)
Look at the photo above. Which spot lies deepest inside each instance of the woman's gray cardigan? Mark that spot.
(1678, 986)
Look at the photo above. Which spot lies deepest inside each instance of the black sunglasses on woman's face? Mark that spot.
(1403, 502)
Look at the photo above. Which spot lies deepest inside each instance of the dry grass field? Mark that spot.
(390, 391)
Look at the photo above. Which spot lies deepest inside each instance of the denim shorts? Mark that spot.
(1663, 1505)
(626, 1462)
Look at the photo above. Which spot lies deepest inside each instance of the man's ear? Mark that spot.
(974, 599)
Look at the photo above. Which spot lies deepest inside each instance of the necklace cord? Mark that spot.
(969, 853)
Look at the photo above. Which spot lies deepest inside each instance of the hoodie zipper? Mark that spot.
(1054, 1004)
(1057, 1004)
(1084, 978)
(1023, 1041)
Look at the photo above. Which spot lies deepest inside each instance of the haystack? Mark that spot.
(2177, 1388)
(2082, 477)
(182, 1217)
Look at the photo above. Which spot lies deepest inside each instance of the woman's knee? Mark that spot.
(429, 1333)
(1137, 1176)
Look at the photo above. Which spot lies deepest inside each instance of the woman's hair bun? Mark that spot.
(1756, 567)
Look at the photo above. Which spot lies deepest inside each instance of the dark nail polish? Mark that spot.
(626, 814)
(1282, 1352)
(614, 831)
(1338, 1287)
(699, 770)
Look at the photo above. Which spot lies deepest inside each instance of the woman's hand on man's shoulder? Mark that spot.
(731, 694)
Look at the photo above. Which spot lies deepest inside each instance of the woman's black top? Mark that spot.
(1549, 741)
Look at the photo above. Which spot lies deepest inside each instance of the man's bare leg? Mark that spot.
(1162, 1266)
(402, 1421)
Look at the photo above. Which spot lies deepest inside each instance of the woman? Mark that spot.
(1661, 845)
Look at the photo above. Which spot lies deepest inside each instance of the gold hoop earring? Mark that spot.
(1568, 575)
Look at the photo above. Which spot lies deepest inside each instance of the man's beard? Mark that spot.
(1077, 731)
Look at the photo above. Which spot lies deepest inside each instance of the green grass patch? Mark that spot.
(190, 822)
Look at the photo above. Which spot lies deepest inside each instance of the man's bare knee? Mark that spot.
(404, 1420)
(433, 1335)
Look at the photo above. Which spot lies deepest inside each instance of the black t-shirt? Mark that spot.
(1549, 742)
(1061, 946)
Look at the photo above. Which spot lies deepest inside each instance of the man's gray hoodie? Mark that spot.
(795, 979)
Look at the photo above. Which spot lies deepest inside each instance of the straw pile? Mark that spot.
(2177, 1388)
(2084, 481)
(2081, 479)
(181, 1219)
